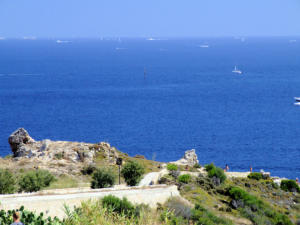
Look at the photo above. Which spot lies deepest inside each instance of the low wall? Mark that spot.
(52, 202)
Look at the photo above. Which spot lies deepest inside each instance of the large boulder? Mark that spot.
(190, 158)
(19, 138)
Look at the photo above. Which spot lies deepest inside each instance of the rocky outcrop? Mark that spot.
(62, 156)
(190, 158)
(18, 139)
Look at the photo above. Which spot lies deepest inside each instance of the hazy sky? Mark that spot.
(157, 18)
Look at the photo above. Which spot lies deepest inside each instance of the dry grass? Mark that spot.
(92, 213)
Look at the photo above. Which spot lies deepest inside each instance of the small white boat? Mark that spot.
(204, 46)
(236, 70)
(61, 42)
(297, 99)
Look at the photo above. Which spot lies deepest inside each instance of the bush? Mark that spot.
(202, 216)
(35, 180)
(103, 178)
(289, 185)
(120, 206)
(185, 178)
(88, 170)
(7, 182)
(208, 167)
(197, 166)
(255, 176)
(132, 172)
(59, 155)
(214, 171)
(141, 209)
(172, 167)
(265, 214)
(179, 207)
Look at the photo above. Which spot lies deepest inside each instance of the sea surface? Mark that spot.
(159, 97)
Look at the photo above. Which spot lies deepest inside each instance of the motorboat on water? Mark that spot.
(297, 99)
(236, 70)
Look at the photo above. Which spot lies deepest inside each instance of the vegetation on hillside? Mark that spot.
(29, 181)
(132, 172)
(103, 178)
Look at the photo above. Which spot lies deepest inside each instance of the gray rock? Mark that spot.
(45, 145)
(237, 204)
(216, 181)
(18, 138)
(190, 158)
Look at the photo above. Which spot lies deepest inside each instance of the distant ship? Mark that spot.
(204, 46)
(236, 70)
(60, 41)
(297, 99)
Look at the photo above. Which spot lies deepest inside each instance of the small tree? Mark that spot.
(120, 206)
(173, 170)
(255, 176)
(289, 185)
(132, 172)
(185, 178)
(7, 182)
(172, 167)
(103, 178)
(35, 180)
(213, 171)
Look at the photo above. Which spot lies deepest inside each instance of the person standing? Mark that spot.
(226, 168)
(16, 218)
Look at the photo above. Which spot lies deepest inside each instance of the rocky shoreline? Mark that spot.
(65, 157)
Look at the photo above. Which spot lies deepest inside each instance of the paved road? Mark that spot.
(152, 178)
(52, 202)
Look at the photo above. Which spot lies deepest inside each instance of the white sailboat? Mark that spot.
(236, 70)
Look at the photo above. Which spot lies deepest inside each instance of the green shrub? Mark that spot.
(208, 167)
(35, 180)
(264, 213)
(197, 166)
(213, 171)
(7, 182)
(172, 167)
(255, 176)
(202, 216)
(120, 206)
(168, 218)
(132, 172)
(88, 170)
(185, 178)
(289, 185)
(59, 155)
(103, 178)
(237, 193)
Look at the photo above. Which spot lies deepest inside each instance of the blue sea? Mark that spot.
(96, 90)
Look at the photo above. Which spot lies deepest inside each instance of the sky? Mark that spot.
(148, 18)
